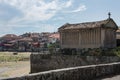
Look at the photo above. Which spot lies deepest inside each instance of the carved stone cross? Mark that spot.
(109, 14)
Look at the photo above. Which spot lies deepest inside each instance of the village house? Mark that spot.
(7, 41)
(54, 37)
(99, 34)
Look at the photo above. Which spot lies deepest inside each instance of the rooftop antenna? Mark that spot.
(109, 15)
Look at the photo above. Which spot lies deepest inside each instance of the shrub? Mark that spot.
(102, 52)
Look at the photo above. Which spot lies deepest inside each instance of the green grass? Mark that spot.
(9, 57)
(4, 75)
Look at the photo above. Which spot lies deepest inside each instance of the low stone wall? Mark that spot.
(45, 62)
(74, 73)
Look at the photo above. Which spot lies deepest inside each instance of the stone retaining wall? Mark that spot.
(74, 73)
(45, 62)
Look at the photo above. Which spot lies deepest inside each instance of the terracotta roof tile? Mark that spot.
(56, 35)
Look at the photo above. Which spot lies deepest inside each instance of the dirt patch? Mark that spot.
(14, 65)
(12, 69)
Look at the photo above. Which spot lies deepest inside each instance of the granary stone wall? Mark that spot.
(45, 62)
(85, 38)
(74, 73)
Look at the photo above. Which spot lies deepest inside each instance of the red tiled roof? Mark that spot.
(9, 45)
(55, 35)
(26, 39)
(13, 41)
(118, 30)
(10, 36)
(37, 44)
(35, 35)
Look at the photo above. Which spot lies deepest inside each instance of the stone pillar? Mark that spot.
(80, 37)
(102, 37)
(83, 37)
(87, 37)
(61, 39)
(90, 37)
(94, 37)
(97, 36)
(83, 41)
(77, 39)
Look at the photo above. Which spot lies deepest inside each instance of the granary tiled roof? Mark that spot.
(86, 24)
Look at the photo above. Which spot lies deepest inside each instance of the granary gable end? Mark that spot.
(111, 24)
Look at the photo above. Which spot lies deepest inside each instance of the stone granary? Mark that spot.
(99, 34)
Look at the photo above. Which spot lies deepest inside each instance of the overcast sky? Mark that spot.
(21, 16)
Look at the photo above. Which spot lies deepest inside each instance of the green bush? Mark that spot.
(103, 52)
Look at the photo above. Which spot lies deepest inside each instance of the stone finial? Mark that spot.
(109, 14)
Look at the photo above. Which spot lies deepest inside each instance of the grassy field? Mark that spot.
(10, 57)
(14, 65)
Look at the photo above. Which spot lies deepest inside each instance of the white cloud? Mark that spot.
(69, 3)
(38, 9)
(46, 28)
(58, 18)
(34, 9)
(80, 8)
(9, 28)
(5, 28)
